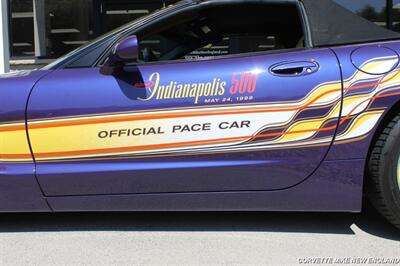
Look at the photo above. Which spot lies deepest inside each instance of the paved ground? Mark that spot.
(192, 238)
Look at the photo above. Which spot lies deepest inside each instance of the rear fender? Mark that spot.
(371, 93)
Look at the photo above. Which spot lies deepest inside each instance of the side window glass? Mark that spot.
(153, 47)
(231, 45)
(270, 27)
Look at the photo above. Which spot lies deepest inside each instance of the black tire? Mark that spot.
(383, 181)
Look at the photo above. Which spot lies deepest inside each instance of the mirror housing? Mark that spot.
(127, 51)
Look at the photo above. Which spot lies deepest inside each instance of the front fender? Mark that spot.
(19, 189)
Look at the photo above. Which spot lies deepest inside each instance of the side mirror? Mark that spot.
(127, 51)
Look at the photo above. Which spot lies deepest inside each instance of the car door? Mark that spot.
(243, 123)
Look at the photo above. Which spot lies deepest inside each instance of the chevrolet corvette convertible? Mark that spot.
(216, 105)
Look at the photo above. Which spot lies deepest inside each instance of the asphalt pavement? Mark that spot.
(197, 239)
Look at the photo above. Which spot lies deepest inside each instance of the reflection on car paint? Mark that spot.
(107, 135)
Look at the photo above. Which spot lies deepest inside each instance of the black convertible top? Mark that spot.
(332, 24)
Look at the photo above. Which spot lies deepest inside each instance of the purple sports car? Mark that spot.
(215, 105)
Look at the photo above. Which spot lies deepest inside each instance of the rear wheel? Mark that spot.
(384, 172)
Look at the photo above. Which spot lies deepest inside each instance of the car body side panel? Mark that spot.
(335, 187)
(365, 94)
(19, 189)
(78, 122)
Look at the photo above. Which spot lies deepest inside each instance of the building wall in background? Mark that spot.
(67, 24)
(4, 51)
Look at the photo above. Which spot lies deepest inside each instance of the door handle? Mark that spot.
(294, 69)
